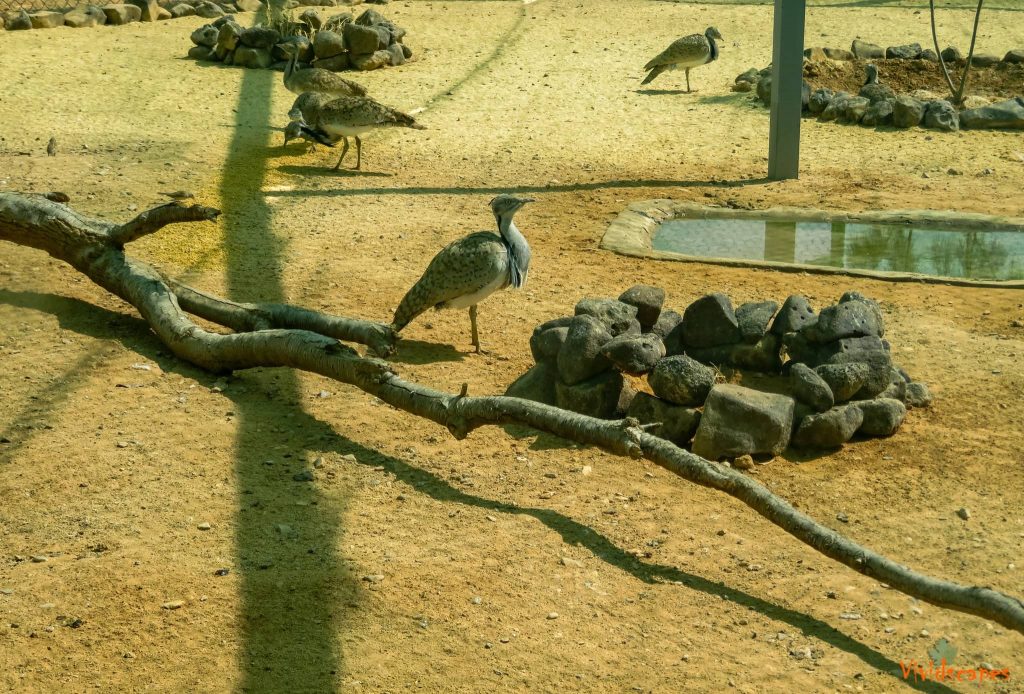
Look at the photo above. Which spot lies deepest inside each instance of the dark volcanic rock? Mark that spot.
(796, 314)
(634, 354)
(878, 113)
(866, 51)
(678, 423)
(848, 319)
(617, 316)
(546, 344)
(753, 319)
(681, 380)
(882, 417)
(844, 380)
(648, 301)
(810, 389)
(941, 115)
(905, 52)
(1005, 114)
(667, 321)
(907, 111)
(604, 396)
(740, 421)
(537, 384)
(580, 356)
(918, 395)
(710, 321)
(819, 100)
(829, 429)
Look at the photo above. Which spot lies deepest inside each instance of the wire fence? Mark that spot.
(36, 5)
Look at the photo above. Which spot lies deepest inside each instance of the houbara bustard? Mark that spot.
(469, 270)
(685, 54)
(345, 117)
(315, 79)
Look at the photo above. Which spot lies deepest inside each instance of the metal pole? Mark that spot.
(787, 78)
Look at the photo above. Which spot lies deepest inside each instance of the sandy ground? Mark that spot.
(113, 453)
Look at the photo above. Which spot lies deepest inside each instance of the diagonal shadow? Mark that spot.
(494, 190)
(85, 318)
(294, 592)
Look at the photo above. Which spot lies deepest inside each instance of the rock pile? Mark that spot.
(828, 376)
(335, 43)
(879, 105)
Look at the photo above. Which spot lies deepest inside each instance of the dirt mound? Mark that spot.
(1003, 81)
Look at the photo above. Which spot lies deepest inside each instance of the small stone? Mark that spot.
(373, 578)
(122, 444)
(476, 600)
(569, 561)
(552, 615)
(586, 470)
(39, 558)
(222, 572)
(743, 462)
(962, 512)
(304, 476)
(173, 605)
(842, 517)
(204, 526)
(850, 615)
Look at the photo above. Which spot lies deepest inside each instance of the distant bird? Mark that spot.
(873, 89)
(871, 76)
(685, 53)
(349, 116)
(51, 147)
(315, 79)
(469, 270)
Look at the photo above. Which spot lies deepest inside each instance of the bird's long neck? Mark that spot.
(289, 69)
(519, 250)
(714, 48)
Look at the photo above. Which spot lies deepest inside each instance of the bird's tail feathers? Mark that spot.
(316, 135)
(658, 69)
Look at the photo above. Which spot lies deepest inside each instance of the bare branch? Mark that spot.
(938, 51)
(261, 340)
(959, 96)
(157, 218)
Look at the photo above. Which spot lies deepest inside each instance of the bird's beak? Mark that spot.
(523, 201)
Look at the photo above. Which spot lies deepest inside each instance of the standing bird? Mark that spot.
(685, 53)
(469, 270)
(315, 79)
(51, 147)
(305, 110)
(349, 116)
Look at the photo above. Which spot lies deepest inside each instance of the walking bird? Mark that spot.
(685, 53)
(345, 117)
(469, 270)
(315, 79)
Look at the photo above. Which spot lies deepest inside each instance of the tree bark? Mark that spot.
(280, 335)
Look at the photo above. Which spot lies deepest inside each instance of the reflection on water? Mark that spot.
(990, 255)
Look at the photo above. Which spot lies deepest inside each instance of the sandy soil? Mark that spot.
(367, 579)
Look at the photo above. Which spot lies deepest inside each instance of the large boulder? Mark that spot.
(829, 429)
(1015, 56)
(881, 417)
(618, 317)
(952, 54)
(810, 388)
(256, 58)
(846, 319)
(710, 321)
(548, 338)
(361, 40)
(149, 9)
(370, 61)
(854, 109)
(753, 319)
(819, 100)
(764, 89)
(1004, 114)
(208, 10)
(667, 322)
(866, 51)
(838, 54)
(260, 37)
(85, 16)
(868, 350)
(678, 423)
(844, 380)
(125, 14)
(300, 43)
(941, 115)
(740, 421)
(796, 314)
(18, 21)
(907, 111)
(249, 5)
(681, 380)
(906, 52)
(634, 354)
(327, 44)
(182, 9)
(877, 92)
(46, 19)
(836, 108)
(918, 395)
(580, 356)
(228, 37)
(202, 53)
(762, 355)
(537, 384)
(878, 113)
(984, 60)
(648, 301)
(336, 63)
(604, 396)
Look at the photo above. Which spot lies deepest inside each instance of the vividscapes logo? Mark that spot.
(940, 668)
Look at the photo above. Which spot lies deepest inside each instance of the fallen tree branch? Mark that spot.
(279, 335)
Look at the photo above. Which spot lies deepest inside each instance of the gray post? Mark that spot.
(787, 78)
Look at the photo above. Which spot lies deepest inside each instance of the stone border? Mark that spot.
(632, 234)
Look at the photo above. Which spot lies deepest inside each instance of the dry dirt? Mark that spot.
(1003, 81)
(114, 453)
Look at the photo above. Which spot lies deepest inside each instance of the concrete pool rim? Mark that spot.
(632, 233)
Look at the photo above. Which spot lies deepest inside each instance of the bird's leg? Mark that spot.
(344, 151)
(472, 325)
(359, 153)
(687, 80)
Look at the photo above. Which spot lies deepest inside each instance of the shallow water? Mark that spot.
(983, 255)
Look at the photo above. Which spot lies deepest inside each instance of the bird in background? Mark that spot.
(315, 79)
(685, 54)
(345, 117)
(469, 270)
